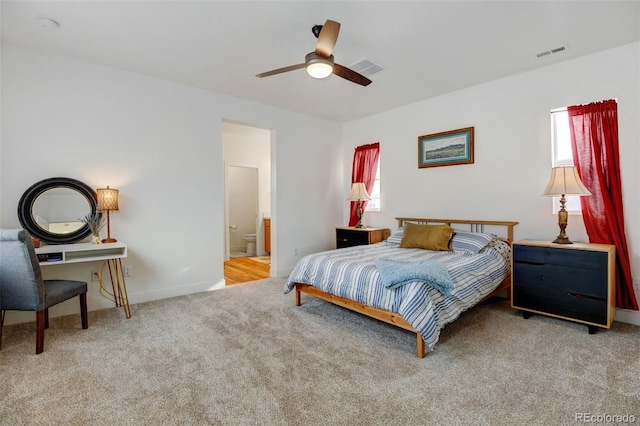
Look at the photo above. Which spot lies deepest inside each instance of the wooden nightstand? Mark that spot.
(575, 282)
(349, 237)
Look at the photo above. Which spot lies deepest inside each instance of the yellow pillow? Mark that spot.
(428, 237)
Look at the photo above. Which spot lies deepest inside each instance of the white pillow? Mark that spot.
(471, 242)
(396, 236)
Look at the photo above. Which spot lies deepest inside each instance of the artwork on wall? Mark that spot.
(446, 148)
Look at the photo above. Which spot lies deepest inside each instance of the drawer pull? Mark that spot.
(584, 296)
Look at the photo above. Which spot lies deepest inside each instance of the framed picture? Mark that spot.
(446, 148)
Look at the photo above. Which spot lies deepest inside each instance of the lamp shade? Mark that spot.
(565, 181)
(107, 199)
(358, 192)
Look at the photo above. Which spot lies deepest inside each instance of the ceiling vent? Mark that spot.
(550, 51)
(366, 67)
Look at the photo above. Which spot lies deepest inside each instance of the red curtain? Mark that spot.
(365, 164)
(594, 141)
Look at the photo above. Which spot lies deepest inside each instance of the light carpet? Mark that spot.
(245, 355)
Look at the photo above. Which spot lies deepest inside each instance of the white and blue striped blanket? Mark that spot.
(351, 273)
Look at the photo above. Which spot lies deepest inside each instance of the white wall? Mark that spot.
(512, 148)
(159, 143)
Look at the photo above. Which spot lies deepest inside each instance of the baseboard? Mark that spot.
(628, 316)
(282, 273)
(165, 293)
(96, 302)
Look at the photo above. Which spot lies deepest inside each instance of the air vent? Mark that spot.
(550, 51)
(366, 67)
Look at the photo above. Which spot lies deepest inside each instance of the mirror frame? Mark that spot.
(25, 205)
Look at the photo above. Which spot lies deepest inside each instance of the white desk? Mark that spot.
(110, 253)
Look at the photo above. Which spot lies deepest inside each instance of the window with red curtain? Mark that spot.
(594, 141)
(365, 164)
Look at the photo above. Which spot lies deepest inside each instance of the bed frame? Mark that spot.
(391, 317)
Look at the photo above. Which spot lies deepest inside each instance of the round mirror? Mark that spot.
(53, 209)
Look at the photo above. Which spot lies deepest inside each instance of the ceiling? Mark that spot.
(427, 48)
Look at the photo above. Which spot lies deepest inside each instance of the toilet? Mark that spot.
(251, 243)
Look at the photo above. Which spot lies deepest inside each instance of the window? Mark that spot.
(562, 155)
(374, 203)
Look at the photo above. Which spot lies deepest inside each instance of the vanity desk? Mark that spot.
(111, 255)
(49, 209)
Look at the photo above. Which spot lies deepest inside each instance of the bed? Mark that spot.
(357, 278)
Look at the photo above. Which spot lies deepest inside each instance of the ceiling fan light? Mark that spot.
(319, 70)
(319, 66)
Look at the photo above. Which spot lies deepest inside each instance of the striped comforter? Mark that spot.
(350, 273)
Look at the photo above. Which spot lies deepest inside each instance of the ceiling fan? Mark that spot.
(320, 64)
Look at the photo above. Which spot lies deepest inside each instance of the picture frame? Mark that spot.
(446, 148)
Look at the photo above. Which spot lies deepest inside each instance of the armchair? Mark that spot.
(22, 287)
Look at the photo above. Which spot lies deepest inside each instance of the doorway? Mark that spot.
(247, 192)
(242, 210)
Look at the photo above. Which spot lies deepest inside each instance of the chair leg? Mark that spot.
(40, 320)
(1, 322)
(46, 317)
(83, 311)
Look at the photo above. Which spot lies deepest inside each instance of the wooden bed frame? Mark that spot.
(394, 318)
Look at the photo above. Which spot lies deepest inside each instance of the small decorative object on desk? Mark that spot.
(95, 223)
(36, 242)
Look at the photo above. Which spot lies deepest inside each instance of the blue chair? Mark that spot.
(23, 289)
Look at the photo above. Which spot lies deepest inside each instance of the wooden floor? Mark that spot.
(242, 269)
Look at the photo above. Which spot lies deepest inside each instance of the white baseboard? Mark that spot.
(96, 302)
(282, 273)
(628, 316)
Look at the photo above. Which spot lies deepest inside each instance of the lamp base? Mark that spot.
(563, 217)
(562, 239)
(109, 240)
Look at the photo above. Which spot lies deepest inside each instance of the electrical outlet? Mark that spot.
(94, 276)
(128, 271)
(295, 251)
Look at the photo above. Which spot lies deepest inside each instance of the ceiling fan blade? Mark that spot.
(327, 38)
(350, 75)
(280, 70)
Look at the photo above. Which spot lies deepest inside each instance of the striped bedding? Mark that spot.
(350, 273)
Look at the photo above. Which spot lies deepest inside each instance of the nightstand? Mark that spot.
(575, 282)
(349, 237)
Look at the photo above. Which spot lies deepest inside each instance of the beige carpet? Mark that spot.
(245, 355)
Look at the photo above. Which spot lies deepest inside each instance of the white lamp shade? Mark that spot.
(358, 192)
(565, 181)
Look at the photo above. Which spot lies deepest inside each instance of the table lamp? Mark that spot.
(108, 202)
(358, 193)
(564, 181)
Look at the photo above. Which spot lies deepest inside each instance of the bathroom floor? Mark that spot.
(239, 254)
